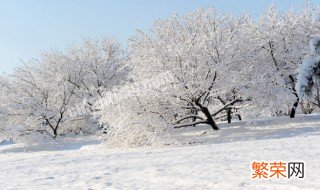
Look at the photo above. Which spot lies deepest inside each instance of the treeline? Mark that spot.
(199, 68)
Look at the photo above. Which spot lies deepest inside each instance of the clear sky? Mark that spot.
(28, 27)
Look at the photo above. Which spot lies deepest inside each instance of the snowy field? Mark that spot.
(209, 160)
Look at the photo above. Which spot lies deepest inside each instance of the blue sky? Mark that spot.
(29, 27)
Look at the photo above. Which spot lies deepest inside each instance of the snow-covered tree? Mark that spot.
(279, 45)
(203, 54)
(41, 95)
(96, 66)
(37, 96)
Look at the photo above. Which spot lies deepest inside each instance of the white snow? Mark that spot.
(219, 160)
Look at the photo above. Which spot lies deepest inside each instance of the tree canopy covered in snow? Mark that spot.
(40, 96)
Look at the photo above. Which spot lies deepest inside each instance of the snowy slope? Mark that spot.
(219, 160)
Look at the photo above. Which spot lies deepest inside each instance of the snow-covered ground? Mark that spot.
(209, 160)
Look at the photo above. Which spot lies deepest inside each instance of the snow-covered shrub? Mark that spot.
(129, 126)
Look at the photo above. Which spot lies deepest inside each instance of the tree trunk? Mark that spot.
(195, 112)
(239, 117)
(212, 123)
(293, 109)
(295, 105)
(207, 113)
(229, 115)
(55, 133)
(210, 120)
